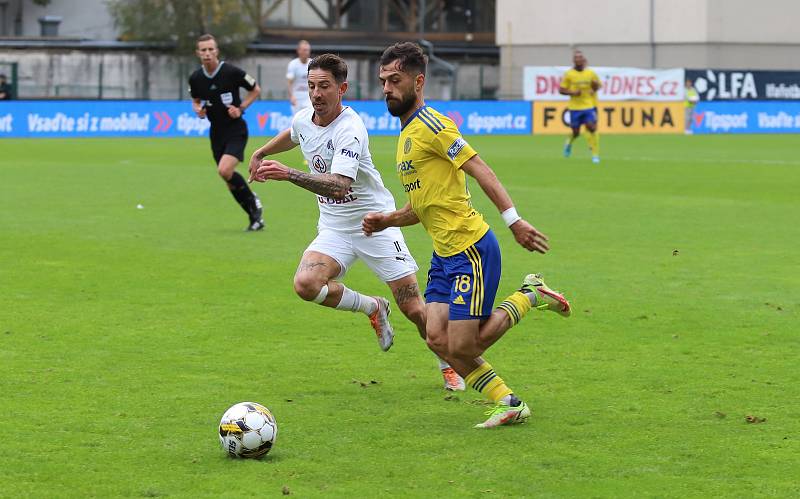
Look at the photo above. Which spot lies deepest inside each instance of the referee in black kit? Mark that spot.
(215, 95)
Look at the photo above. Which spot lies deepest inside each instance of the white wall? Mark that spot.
(80, 19)
(729, 34)
(680, 21)
(751, 21)
(547, 22)
(543, 22)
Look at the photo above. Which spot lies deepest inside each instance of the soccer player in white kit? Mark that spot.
(297, 78)
(335, 143)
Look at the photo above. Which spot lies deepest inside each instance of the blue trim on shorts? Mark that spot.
(582, 117)
(467, 281)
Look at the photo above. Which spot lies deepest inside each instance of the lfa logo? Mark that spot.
(727, 85)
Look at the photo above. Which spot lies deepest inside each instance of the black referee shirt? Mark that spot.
(219, 90)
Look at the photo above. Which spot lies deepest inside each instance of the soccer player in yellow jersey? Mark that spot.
(433, 160)
(582, 84)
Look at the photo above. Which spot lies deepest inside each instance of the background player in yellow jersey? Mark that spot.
(433, 160)
(582, 84)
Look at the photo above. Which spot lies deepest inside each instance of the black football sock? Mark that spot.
(242, 193)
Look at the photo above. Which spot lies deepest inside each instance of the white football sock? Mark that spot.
(533, 297)
(356, 302)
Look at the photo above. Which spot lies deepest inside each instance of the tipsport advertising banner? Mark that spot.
(613, 117)
(176, 118)
(619, 84)
(714, 84)
(746, 117)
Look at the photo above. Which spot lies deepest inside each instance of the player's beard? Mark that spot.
(402, 106)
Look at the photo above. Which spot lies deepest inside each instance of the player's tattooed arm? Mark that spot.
(330, 185)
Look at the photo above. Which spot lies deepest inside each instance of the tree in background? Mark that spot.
(232, 22)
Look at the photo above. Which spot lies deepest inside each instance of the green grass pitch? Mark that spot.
(125, 333)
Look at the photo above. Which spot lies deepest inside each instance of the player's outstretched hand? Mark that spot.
(528, 237)
(271, 170)
(255, 162)
(374, 222)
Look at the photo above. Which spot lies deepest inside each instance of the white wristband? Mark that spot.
(510, 216)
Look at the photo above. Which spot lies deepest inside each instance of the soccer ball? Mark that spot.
(247, 430)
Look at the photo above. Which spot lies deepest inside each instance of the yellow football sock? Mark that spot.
(594, 142)
(486, 381)
(516, 306)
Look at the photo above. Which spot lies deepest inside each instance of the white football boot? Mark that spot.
(380, 323)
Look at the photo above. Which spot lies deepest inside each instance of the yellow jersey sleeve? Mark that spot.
(566, 81)
(596, 79)
(450, 145)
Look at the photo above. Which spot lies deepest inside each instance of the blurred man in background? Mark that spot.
(692, 98)
(297, 78)
(581, 85)
(215, 95)
(5, 88)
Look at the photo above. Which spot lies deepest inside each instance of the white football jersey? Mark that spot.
(342, 147)
(298, 73)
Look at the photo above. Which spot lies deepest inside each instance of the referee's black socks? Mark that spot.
(243, 195)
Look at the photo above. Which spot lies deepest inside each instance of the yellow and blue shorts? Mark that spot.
(582, 117)
(467, 281)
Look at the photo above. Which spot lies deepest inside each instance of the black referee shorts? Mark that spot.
(229, 142)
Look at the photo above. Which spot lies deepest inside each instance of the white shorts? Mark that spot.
(385, 252)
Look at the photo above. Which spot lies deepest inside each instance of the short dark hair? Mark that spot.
(412, 58)
(205, 37)
(332, 63)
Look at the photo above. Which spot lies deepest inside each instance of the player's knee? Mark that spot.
(224, 172)
(481, 346)
(465, 350)
(306, 287)
(437, 344)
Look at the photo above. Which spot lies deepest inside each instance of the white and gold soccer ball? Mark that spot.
(247, 430)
